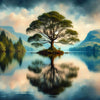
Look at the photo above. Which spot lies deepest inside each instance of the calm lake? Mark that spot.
(73, 76)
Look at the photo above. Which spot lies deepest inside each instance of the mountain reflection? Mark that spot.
(91, 59)
(52, 79)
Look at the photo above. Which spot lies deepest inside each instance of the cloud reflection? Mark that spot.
(86, 80)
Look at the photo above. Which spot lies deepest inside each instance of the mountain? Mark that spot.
(18, 35)
(92, 38)
(91, 42)
(14, 39)
(9, 35)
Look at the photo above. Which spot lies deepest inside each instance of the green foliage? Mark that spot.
(7, 58)
(20, 40)
(2, 56)
(35, 37)
(4, 39)
(63, 41)
(51, 52)
(71, 37)
(36, 66)
(7, 42)
(91, 48)
(19, 47)
(69, 40)
(50, 23)
(11, 47)
(51, 16)
(7, 51)
(37, 44)
(53, 80)
(71, 32)
(2, 47)
(35, 69)
(7, 45)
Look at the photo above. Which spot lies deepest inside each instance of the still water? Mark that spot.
(73, 76)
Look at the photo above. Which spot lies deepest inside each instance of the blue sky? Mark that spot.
(85, 14)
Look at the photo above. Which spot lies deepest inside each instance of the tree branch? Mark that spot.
(59, 32)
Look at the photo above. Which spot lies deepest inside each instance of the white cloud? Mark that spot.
(2, 15)
(21, 20)
(83, 26)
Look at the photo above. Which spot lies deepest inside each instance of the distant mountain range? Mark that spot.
(91, 42)
(18, 35)
(14, 36)
(9, 35)
(92, 38)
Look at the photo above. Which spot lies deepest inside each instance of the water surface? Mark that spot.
(73, 76)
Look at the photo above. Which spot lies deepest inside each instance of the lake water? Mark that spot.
(73, 76)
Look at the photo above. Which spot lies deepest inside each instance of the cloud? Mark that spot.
(20, 18)
(19, 21)
(82, 6)
(2, 15)
(18, 3)
(84, 27)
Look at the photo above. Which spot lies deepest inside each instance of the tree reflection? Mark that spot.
(7, 58)
(19, 57)
(53, 79)
(2, 56)
(36, 66)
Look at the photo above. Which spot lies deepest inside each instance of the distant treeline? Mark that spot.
(6, 45)
(93, 48)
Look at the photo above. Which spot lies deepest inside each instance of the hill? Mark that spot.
(91, 42)
(18, 35)
(14, 39)
(9, 35)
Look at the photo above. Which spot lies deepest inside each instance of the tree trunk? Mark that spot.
(52, 44)
(52, 70)
(52, 61)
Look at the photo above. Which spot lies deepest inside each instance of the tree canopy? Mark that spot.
(51, 79)
(52, 25)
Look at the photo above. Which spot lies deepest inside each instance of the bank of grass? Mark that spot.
(51, 52)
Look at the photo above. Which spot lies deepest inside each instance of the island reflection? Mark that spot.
(52, 79)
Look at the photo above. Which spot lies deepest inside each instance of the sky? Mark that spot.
(85, 14)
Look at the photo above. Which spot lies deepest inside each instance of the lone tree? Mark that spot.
(51, 26)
